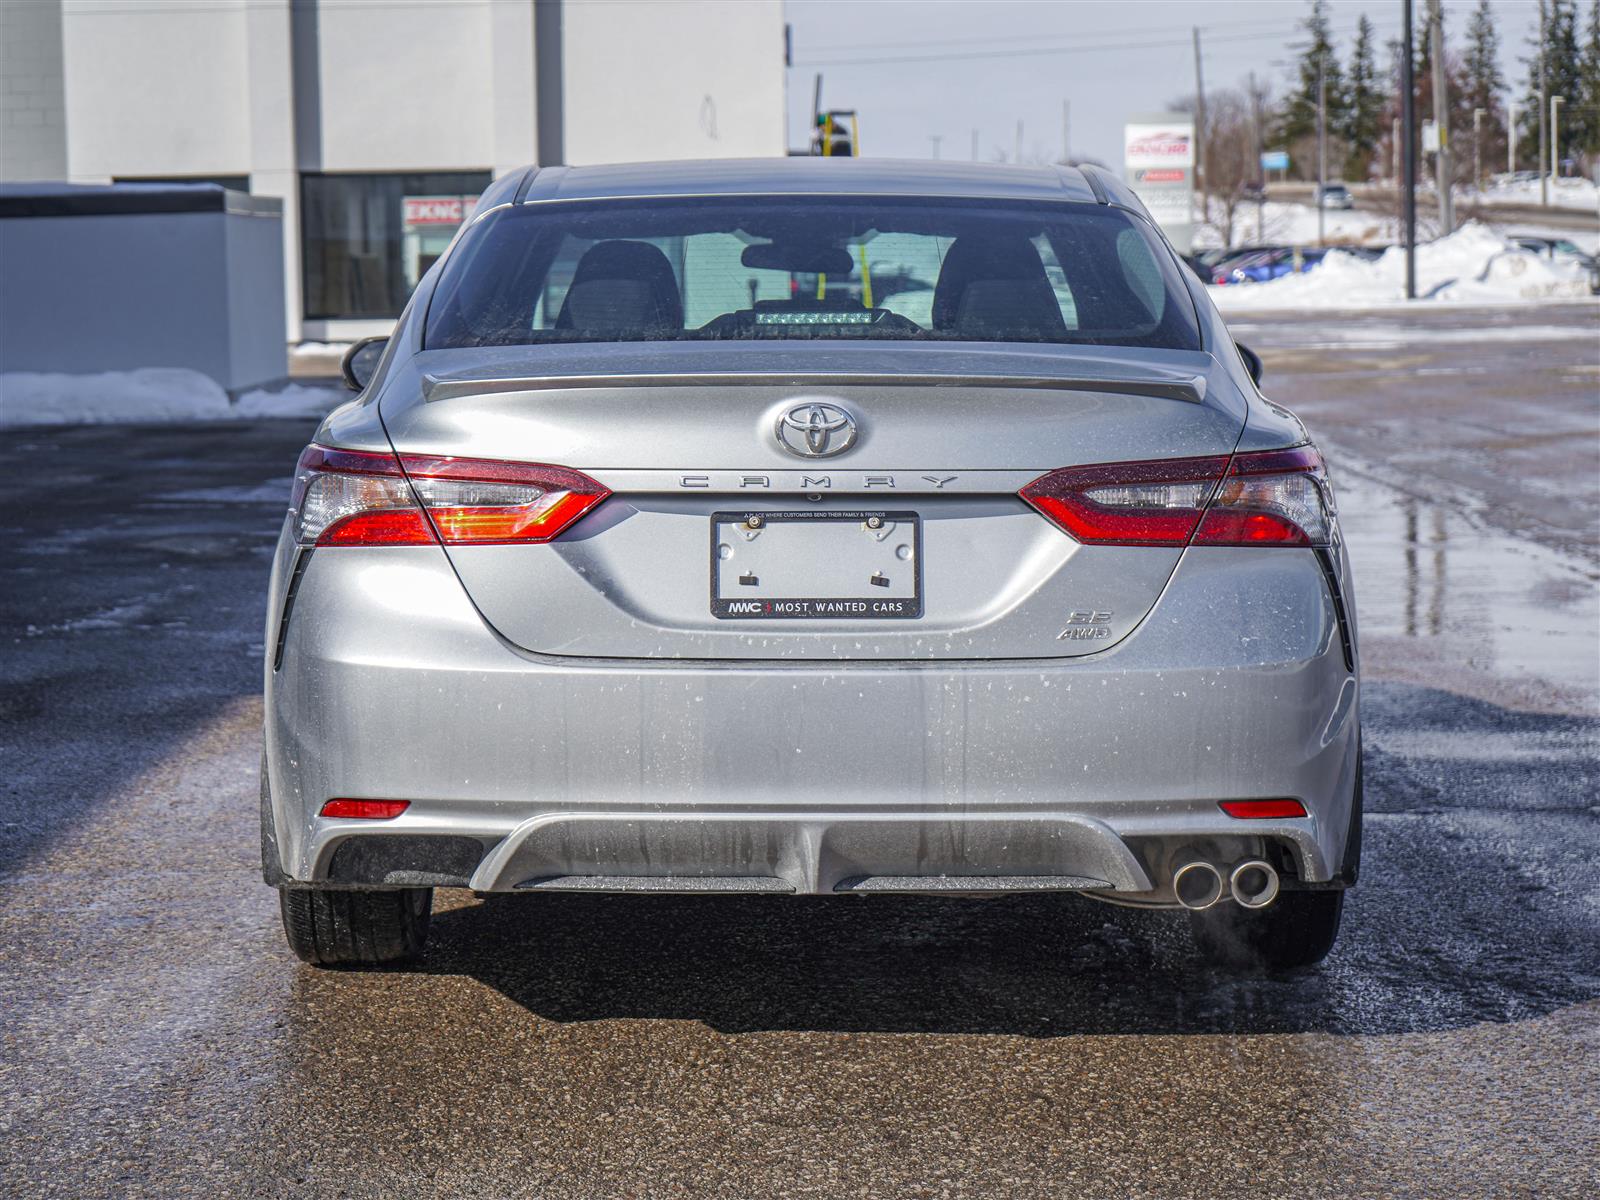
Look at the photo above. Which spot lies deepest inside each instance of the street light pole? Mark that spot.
(1408, 117)
(1322, 146)
(1477, 147)
(1200, 130)
(1544, 184)
(1555, 138)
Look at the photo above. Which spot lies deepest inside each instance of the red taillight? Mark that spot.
(355, 498)
(358, 498)
(365, 810)
(1270, 498)
(1262, 810)
(486, 502)
(1266, 498)
(1129, 503)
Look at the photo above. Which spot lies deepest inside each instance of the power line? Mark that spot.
(1034, 50)
(920, 44)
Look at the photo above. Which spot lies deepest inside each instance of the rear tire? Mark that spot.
(355, 929)
(1297, 930)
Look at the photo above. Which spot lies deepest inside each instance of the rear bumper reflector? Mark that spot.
(1262, 810)
(365, 810)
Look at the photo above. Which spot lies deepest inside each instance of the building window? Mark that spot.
(367, 239)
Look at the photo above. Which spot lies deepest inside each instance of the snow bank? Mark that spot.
(1564, 193)
(1286, 224)
(295, 400)
(1471, 266)
(150, 394)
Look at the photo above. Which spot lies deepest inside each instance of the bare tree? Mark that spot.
(1231, 160)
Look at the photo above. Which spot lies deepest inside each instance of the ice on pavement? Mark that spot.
(149, 394)
(1471, 266)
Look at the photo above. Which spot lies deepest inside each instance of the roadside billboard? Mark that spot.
(1158, 161)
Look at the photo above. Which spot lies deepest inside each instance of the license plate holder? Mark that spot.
(829, 564)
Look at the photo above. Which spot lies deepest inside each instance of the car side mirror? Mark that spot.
(360, 362)
(1252, 361)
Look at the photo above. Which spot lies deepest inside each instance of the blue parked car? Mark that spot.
(1270, 264)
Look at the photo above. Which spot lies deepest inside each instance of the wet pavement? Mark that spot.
(156, 1037)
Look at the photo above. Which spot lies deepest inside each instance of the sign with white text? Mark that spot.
(1158, 163)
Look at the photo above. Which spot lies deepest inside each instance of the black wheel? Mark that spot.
(356, 929)
(1297, 930)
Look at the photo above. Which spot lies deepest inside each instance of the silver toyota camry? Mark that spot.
(811, 526)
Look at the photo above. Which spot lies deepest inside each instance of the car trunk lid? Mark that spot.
(717, 509)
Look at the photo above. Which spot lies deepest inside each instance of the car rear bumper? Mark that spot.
(526, 771)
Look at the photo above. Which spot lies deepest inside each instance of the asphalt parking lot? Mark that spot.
(157, 1038)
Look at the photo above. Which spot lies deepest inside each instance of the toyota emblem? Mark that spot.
(813, 429)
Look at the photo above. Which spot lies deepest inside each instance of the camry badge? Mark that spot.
(816, 430)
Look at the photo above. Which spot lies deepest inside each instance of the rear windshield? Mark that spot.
(810, 268)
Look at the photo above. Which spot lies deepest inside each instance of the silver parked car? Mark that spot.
(660, 554)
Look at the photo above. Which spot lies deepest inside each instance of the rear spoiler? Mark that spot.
(1190, 388)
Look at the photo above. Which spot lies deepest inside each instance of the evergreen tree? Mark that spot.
(1587, 127)
(1563, 68)
(1362, 122)
(1300, 113)
(1484, 83)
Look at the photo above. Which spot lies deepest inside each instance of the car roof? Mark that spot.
(814, 175)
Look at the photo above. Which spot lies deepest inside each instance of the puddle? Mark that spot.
(1487, 600)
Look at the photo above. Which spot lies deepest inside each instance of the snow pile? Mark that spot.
(1564, 193)
(295, 400)
(1471, 266)
(1285, 224)
(150, 394)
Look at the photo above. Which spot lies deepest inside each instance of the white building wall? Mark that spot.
(33, 136)
(515, 99)
(156, 88)
(666, 79)
(269, 42)
(406, 86)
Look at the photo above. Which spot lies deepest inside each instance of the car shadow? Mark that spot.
(1473, 907)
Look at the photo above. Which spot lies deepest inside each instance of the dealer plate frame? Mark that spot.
(818, 608)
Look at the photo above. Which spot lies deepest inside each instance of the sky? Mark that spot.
(1021, 59)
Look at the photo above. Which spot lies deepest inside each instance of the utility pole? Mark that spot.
(1544, 182)
(1200, 129)
(1066, 130)
(1408, 116)
(1441, 120)
(974, 145)
(1322, 146)
(1394, 141)
(1477, 147)
(1511, 137)
(1555, 136)
(1255, 137)
(936, 138)
(1018, 157)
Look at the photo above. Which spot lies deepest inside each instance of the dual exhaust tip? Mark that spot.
(1252, 883)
